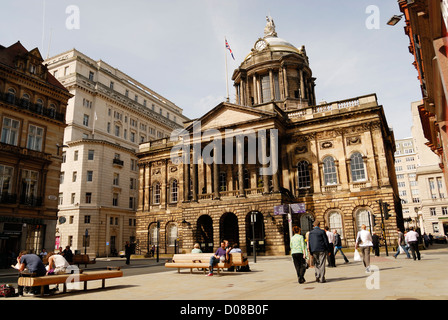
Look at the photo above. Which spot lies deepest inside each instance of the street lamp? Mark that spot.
(253, 219)
(394, 20)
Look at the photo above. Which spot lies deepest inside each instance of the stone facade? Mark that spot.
(335, 158)
(32, 122)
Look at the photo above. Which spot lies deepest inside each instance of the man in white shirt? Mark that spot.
(412, 240)
(331, 257)
(364, 240)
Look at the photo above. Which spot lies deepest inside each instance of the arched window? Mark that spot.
(156, 193)
(11, 95)
(171, 232)
(173, 191)
(153, 234)
(363, 216)
(330, 176)
(303, 175)
(357, 167)
(52, 110)
(335, 221)
(25, 100)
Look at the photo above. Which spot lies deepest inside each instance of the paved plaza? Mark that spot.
(274, 278)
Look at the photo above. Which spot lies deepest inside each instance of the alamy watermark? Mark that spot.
(73, 21)
(373, 20)
(220, 150)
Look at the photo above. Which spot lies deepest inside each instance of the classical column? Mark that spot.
(215, 173)
(302, 85)
(243, 92)
(285, 79)
(264, 163)
(240, 160)
(274, 161)
(271, 82)
(186, 161)
(255, 90)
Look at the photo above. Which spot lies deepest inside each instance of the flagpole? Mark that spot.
(227, 74)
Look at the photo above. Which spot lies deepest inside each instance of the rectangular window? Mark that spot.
(61, 199)
(5, 180)
(116, 180)
(265, 89)
(115, 200)
(90, 154)
(432, 211)
(75, 174)
(61, 177)
(89, 200)
(72, 199)
(87, 218)
(444, 211)
(29, 185)
(89, 176)
(91, 76)
(35, 138)
(85, 120)
(10, 131)
(75, 156)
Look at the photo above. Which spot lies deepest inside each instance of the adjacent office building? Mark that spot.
(108, 117)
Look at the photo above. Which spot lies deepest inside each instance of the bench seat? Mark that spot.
(202, 261)
(80, 277)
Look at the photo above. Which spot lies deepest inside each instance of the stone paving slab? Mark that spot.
(274, 278)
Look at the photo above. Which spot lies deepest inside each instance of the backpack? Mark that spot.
(7, 290)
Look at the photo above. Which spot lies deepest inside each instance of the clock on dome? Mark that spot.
(260, 45)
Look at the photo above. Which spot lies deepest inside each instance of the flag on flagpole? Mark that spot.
(228, 47)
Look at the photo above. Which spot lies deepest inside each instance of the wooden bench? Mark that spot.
(68, 278)
(82, 259)
(202, 261)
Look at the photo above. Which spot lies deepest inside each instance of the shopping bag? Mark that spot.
(402, 250)
(357, 256)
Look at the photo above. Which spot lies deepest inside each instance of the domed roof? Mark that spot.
(279, 44)
(272, 42)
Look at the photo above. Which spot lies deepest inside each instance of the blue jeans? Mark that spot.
(336, 249)
(213, 261)
(405, 250)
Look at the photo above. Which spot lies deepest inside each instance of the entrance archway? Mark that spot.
(259, 233)
(204, 233)
(228, 228)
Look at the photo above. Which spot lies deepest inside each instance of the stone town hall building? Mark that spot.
(336, 158)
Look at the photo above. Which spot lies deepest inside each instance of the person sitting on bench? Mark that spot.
(220, 255)
(34, 265)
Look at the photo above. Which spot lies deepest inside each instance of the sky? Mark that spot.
(177, 47)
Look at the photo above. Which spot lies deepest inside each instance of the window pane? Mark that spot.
(330, 177)
(357, 167)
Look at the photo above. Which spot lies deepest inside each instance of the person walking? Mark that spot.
(412, 239)
(338, 245)
(364, 240)
(401, 244)
(331, 258)
(299, 253)
(376, 244)
(319, 248)
(128, 252)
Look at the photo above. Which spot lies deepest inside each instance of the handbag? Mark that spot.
(305, 264)
(357, 256)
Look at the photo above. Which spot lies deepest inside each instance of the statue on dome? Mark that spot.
(269, 30)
